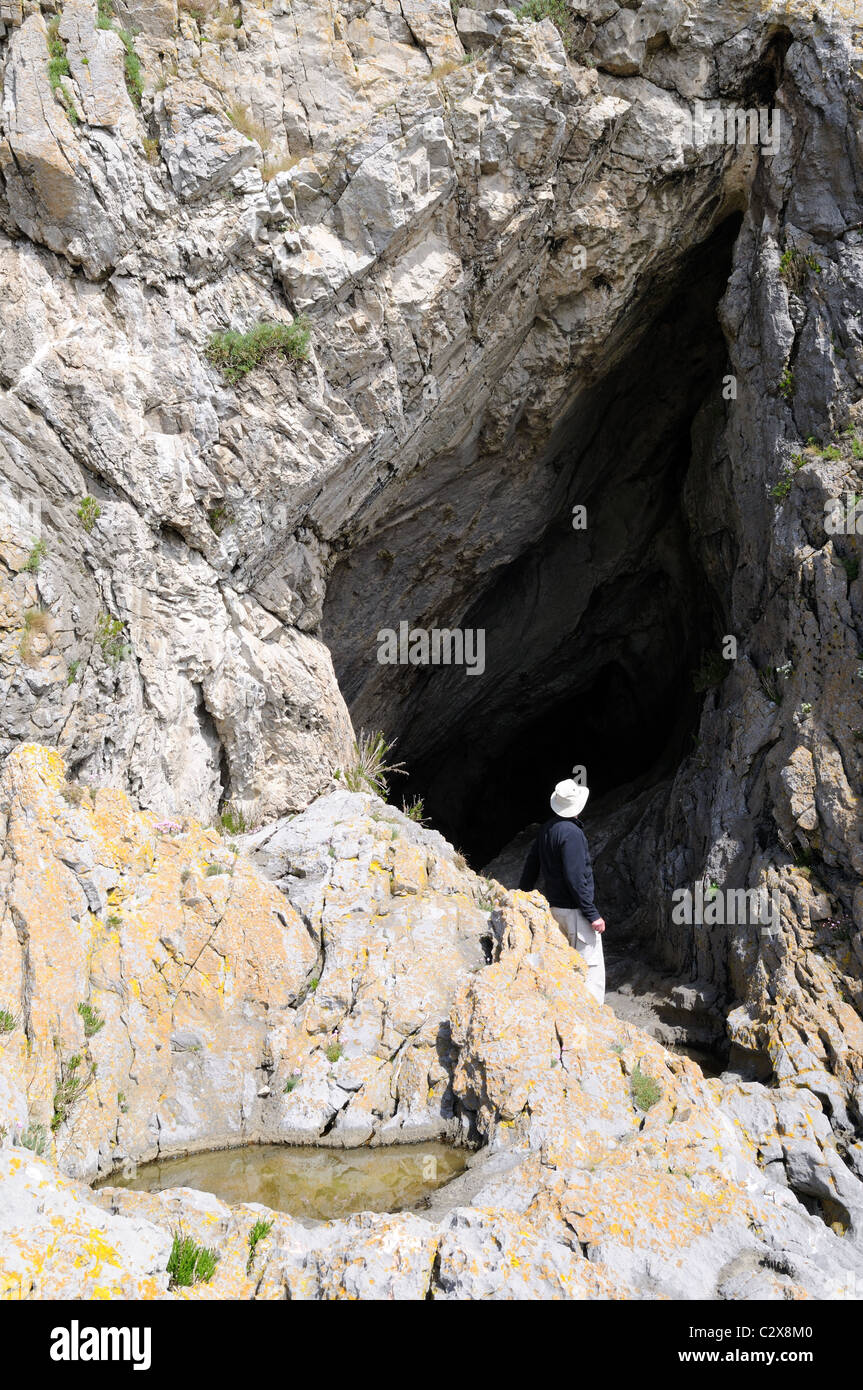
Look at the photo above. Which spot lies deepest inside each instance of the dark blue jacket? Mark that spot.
(560, 852)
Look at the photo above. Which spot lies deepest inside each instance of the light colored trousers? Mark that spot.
(580, 934)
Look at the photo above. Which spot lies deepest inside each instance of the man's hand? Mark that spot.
(599, 925)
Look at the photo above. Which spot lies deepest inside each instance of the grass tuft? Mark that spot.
(369, 770)
(259, 1232)
(645, 1089)
(36, 621)
(71, 1087)
(93, 1020)
(237, 354)
(35, 558)
(109, 635)
(233, 821)
(88, 513)
(190, 1263)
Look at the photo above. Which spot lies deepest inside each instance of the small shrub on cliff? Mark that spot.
(190, 1263)
(88, 513)
(58, 68)
(292, 1083)
(35, 558)
(199, 10)
(645, 1089)
(218, 518)
(109, 635)
(369, 770)
(132, 66)
(92, 1019)
(238, 353)
(7, 1021)
(414, 810)
(74, 794)
(794, 267)
(72, 1085)
(780, 490)
(334, 1052)
(232, 821)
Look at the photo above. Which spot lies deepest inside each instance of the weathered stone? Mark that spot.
(487, 1027)
(201, 148)
(486, 249)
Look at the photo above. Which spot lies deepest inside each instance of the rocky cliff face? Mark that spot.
(531, 284)
(385, 993)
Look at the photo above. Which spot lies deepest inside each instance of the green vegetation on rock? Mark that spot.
(645, 1089)
(369, 770)
(237, 354)
(93, 1020)
(88, 513)
(190, 1263)
(259, 1232)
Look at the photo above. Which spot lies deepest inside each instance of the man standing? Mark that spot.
(561, 854)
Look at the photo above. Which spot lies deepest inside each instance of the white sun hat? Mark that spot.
(569, 798)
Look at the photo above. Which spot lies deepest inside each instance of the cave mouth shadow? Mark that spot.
(592, 637)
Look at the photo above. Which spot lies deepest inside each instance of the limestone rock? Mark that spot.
(604, 1166)
(57, 1244)
(201, 148)
(513, 267)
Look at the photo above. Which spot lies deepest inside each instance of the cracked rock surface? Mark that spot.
(492, 255)
(459, 1010)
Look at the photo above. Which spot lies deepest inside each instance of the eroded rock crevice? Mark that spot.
(597, 633)
(594, 630)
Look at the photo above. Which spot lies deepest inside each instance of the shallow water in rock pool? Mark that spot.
(309, 1183)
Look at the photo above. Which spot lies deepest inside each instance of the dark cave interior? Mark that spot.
(592, 636)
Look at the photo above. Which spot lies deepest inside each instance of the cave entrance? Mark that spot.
(592, 636)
